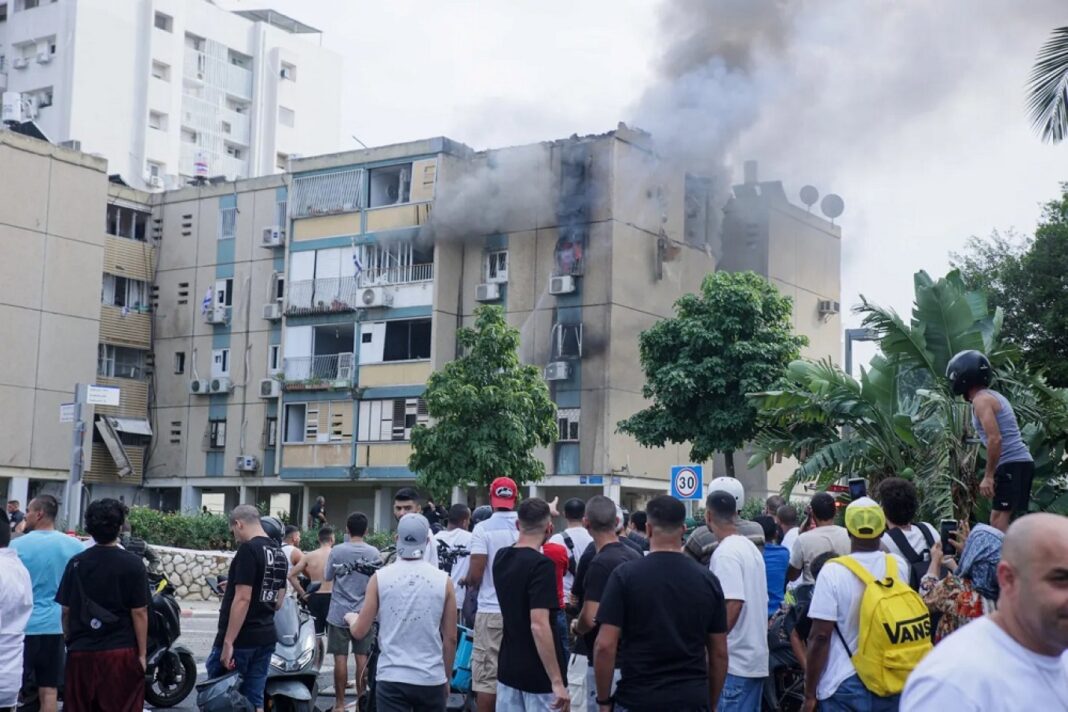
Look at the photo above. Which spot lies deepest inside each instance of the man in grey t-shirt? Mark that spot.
(349, 566)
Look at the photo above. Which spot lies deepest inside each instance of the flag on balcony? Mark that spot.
(356, 262)
(205, 306)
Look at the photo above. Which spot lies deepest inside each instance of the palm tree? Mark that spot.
(1047, 99)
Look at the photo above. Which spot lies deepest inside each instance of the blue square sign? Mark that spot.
(687, 482)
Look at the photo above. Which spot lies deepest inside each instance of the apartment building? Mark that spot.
(170, 90)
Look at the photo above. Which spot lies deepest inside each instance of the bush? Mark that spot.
(205, 532)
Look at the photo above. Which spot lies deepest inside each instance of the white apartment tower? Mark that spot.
(169, 90)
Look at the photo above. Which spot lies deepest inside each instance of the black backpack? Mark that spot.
(919, 563)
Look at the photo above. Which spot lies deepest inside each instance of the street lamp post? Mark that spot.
(852, 335)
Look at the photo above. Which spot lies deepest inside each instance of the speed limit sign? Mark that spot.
(686, 482)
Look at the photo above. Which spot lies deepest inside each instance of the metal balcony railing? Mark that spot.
(406, 274)
(313, 369)
(322, 296)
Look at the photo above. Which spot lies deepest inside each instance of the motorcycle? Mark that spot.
(171, 670)
(293, 677)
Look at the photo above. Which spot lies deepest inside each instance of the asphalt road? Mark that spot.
(198, 632)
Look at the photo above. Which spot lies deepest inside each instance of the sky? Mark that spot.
(912, 111)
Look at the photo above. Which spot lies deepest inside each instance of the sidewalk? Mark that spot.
(199, 609)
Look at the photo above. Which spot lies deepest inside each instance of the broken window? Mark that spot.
(126, 222)
(567, 341)
(327, 194)
(407, 340)
(120, 362)
(567, 422)
(124, 292)
(391, 420)
(497, 266)
(390, 185)
(570, 253)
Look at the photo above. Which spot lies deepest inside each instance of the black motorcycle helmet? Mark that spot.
(272, 526)
(968, 369)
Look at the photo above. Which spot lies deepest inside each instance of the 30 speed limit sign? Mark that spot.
(686, 482)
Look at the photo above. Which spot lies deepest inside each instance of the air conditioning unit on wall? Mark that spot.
(215, 315)
(490, 292)
(376, 297)
(272, 311)
(273, 236)
(828, 307)
(558, 371)
(221, 385)
(247, 463)
(270, 388)
(564, 284)
(199, 386)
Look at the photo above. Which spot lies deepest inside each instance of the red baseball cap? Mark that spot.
(503, 493)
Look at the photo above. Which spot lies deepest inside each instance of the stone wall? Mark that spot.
(186, 570)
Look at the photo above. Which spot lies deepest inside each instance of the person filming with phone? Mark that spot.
(1010, 468)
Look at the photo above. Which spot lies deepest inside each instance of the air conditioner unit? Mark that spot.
(44, 57)
(20, 63)
(215, 315)
(564, 284)
(488, 292)
(155, 182)
(221, 385)
(376, 297)
(558, 371)
(247, 463)
(11, 107)
(272, 311)
(199, 386)
(272, 237)
(828, 307)
(270, 388)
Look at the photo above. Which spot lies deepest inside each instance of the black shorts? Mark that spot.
(318, 605)
(42, 661)
(1012, 486)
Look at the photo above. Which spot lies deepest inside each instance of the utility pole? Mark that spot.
(72, 502)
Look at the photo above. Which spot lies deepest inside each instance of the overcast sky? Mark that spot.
(913, 111)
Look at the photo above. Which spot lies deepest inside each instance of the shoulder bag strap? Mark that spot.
(903, 544)
(858, 570)
(927, 535)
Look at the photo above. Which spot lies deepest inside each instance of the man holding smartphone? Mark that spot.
(1010, 468)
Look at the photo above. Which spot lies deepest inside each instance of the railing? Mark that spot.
(405, 274)
(238, 81)
(310, 370)
(319, 296)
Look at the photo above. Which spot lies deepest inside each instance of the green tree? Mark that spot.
(1047, 91)
(1025, 278)
(488, 413)
(733, 338)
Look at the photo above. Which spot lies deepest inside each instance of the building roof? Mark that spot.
(279, 20)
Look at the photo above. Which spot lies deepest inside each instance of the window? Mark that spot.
(155, 169)
(278, 286)
(157, 120)
(124, 292)
(224, 292)
(407, 340)
(390, 185)
(3, 12)
(227, 223)
(235, 151)
(288, 71)
(239, 60)
(120, 362)
(41, 98)
(161, 71)
(164, 22)
(567, 341)
(391, 420)
(220, 363)
(127, 222)
(193, 42)
(567, 421)
(497, 266)
(217, 434)
(30, 4)
(179, 362)
(189, 135)
(286, 117)
(327, 194)
(270, 431)
(296, 415)
(274, 359)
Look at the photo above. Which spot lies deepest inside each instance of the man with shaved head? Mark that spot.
(1015, 658)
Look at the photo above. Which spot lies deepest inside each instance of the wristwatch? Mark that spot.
(610, 701)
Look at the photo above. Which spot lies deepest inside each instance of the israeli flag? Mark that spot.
(205, 306)
(356, 262)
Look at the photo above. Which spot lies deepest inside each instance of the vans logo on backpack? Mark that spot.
(910, 630)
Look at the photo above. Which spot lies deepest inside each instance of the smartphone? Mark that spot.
(945, 528)
(858, 487)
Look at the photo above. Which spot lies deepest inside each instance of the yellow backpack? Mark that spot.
(895, 629)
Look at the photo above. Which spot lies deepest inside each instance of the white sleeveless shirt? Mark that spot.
(411, 600)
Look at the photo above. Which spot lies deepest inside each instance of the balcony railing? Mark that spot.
(406, 274)
(325, 370)
(322, 296)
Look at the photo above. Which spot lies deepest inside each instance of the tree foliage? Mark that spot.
(1026, 279)
(1047, 97)
(488, 413)
(733, 338)
(900, 417)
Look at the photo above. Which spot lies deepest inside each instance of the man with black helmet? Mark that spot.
(1009, 465)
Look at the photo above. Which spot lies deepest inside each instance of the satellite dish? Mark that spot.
(832, 206)
(809, 195)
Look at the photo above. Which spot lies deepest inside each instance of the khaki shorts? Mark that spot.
(489, 631)
(339, 640)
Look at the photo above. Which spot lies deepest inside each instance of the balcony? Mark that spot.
(304, 373)
(322, 296)
(126, 327)
(407, 274)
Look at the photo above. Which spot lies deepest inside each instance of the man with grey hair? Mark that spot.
(255, 589)
(1016, 658)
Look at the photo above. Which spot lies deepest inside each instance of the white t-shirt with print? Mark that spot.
(980, 668)
(489, 537)
(581, 539)
(739, 566)
(837, 598)
(814, 542)
(455, 538)
(914, 536)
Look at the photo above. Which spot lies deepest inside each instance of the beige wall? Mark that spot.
(51, 254)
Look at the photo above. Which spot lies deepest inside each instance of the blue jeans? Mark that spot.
(852, 696)
(561, 628)
(741, 694)
(252, 663)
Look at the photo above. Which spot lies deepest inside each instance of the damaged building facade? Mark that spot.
(294, 320)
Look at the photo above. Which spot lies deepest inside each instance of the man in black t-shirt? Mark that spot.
(255, 589)
(670, 614)
(104, 595)
(317, 513)
(600, 520)
(531, 661)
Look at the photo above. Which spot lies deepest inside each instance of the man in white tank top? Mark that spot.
(415, 605)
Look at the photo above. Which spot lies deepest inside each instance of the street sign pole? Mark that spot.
(73, 501)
